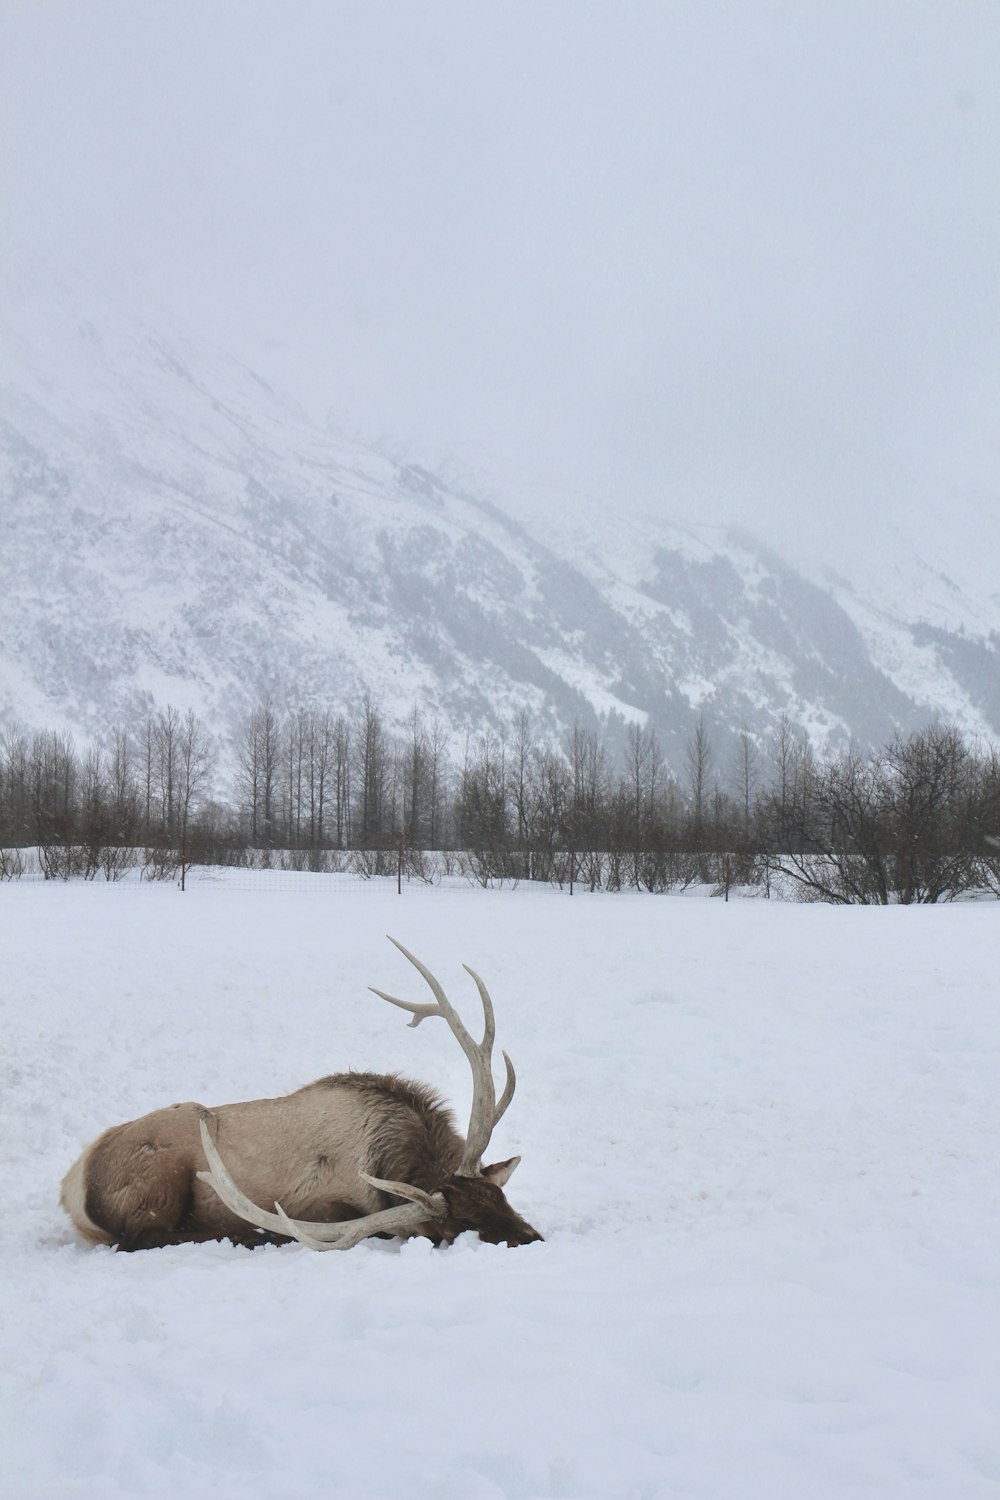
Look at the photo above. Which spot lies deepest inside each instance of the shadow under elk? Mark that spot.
(349, 1156)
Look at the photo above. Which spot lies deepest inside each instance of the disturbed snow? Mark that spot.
(761, 1141)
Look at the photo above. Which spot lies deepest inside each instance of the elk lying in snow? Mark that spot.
(351, 1155)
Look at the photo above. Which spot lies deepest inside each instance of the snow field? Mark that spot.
(761, 1141)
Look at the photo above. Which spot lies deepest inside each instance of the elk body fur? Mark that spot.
(350, 1155)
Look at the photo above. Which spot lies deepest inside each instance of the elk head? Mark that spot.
(469, 1196)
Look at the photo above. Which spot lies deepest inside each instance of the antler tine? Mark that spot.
(403, 1190)
(340, 1235)
(484, 1119)
(485, 1111)
(351, 1232)
(296, 1232)
(488, 1038)
(490, 1031)
(441, 1007)
(509, 1087)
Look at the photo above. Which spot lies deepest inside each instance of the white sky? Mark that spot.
(731, 261)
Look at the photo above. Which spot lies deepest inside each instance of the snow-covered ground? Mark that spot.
(761, 1140)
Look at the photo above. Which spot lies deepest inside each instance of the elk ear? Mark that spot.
(501, 1171)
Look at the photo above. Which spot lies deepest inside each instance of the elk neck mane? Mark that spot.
(414, 1139)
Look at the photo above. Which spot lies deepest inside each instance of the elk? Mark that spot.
(349, 1156)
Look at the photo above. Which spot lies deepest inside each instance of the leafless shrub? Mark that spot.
(370, 864)
(116, 861)
(489, 868)
(734, 870)
(160, 863)
(590, 869)
(61, 861)
(419, 865)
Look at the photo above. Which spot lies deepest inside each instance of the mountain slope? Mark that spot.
(175, 530)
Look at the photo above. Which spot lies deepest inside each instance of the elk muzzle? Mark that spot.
(475, 1203)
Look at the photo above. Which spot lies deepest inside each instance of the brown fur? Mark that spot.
(136, 1186)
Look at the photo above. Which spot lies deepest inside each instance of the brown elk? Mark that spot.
(346, 1157)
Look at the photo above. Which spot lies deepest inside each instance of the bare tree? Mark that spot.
(522, 750)
(437, 782)
(782, 760)
(932, 810)
(14, 785)
(343, 755)
(482, 810)
(371, 778)
(698, 757)
(194, 765)
(167, 748)
(745, 775)
(591, 774)
(416, 792)
(321, 739)
(124, 791)
(257, 772)
(146, 737)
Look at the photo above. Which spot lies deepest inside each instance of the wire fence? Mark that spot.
(395, 871)
(138, 871)
(388, 873)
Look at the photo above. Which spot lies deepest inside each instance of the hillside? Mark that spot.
(175, 530)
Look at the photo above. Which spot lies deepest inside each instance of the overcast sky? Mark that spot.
(734, 261)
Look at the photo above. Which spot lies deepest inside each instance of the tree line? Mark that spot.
(916, 820)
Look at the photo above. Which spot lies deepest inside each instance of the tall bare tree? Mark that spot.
(745, 775)
(194, 766)
(371, 775)
(698, 757)
(258, 753)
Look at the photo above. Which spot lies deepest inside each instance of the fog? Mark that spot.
(719, 261)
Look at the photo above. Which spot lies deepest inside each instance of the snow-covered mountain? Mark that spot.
(174, 530)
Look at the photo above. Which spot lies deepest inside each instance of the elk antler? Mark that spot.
(485, 1110)
(341, 1235)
